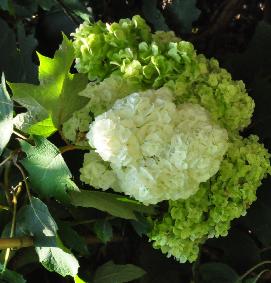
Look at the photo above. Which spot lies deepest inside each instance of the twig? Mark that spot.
(5, 160)
(24, 242)
(6, 183)
(24, 179)
(16, 243)
(17, 191)
(20, 135)
(71, 147)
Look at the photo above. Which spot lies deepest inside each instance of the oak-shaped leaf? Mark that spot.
(56, 93)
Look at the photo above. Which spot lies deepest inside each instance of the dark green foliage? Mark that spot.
(217, 272)
(18, 65)
(111, 273)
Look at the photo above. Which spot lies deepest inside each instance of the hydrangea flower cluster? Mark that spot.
(158, 151)
(224, 197)
(164, 123)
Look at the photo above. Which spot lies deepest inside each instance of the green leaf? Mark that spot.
(43, 128)
(48, 173)
(103, 230)
(6, 115)
(4, 5)
(111, 203)
(57, 260)
(27, 44)
(69, 101)
(217, 272)
(153, 15)
(239, 256)
(9, 276)
(72, 239)
(182, 13)
(35, 113)
(35, 220)
(57, 92)
(112, 273)
(78, 280)
(18, 65)
(142, 226)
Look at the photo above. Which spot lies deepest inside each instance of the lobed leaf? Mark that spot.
(56, 93)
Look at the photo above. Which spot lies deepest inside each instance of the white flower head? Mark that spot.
(157, 150)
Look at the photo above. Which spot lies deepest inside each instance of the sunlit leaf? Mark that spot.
(57, 92)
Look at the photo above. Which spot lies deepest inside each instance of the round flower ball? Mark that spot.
(156, 149)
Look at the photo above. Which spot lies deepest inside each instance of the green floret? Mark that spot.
(208, 213)
(213, 88)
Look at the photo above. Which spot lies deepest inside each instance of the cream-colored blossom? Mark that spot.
(157, 150)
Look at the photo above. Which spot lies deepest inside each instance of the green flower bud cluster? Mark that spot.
(100, 47)
(224, 197)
